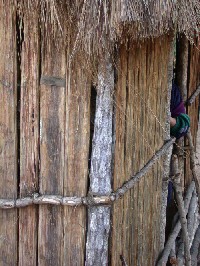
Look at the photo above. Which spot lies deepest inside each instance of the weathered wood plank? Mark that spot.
(166, 159)
(52, 128)
(29, 137)
(101, 163)
(182, 64)
(193, 111)
(119, 159)
(77, 137)
(8, 132)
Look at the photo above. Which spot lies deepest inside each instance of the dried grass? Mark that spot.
(96, 25)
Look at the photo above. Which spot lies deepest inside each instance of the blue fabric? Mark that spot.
(170, 193)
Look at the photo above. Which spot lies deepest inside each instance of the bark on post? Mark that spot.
(100, 175)
(167, 157)
(173, 235)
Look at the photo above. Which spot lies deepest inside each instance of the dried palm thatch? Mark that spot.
(93, 25)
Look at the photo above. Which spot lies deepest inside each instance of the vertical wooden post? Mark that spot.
(166, 159)
(182, 81)
(182, 65)
(29, 137)
(8, 132)
(52, 130)
(100, 175)
(78, 89)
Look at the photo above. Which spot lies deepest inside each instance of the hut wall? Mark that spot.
(45, 145)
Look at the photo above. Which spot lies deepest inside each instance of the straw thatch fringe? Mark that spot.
(90, 200)
(82, 22)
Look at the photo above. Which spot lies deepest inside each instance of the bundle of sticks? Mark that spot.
(182, 245)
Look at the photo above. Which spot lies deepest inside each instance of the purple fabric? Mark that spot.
(179, 109)
(176, 105)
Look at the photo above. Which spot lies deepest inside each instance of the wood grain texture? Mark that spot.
(52, 128)
(167, 157)
(182, 64)
(141, 95)
(29, 138)
(8, 132)
(77, 136)
(193, 110)
(101, 162)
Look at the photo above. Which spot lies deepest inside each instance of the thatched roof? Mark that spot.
(95, 23)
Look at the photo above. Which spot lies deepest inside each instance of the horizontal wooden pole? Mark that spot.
(89, 200)
(54, 200)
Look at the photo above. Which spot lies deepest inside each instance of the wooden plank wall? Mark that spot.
(54, 147)
(8, 132)
(51, 145)
(193, 110)
(140, 100)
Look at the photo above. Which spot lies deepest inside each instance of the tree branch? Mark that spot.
(173, 235)
(192, 98)
(181, 209)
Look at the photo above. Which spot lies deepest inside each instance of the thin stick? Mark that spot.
(172, 256)
(190, 225)
(193, 164)
(173, 235)
(129, 184)
(181, 210)
(88, 201)
(195, 247)
(192, 98)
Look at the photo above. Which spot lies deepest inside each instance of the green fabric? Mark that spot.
(181, 127)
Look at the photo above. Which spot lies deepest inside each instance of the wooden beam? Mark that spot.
(8, 131)
(29, 136)
(100, 173)
(182, 64)
(52, 161)
(77, 136)
(167, 158)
